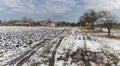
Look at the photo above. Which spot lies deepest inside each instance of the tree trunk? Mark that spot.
(87, 63)
(109, 31)
(92, 26)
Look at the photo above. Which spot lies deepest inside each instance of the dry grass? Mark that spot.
(94, 31)
(104, 34)
(112, 36)
(86, 30)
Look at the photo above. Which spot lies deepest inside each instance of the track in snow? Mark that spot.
(19, 61)
(73, 48)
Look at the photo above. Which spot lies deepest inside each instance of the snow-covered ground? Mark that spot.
(92, 44)
(52, 46)
(15, 41)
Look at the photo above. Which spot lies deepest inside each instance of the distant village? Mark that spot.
(29, 22)
(26, 21)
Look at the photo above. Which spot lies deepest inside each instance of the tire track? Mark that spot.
(27, 54)
(52, 59)
(23, 60)
(24, 57)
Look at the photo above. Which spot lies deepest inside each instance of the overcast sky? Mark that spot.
(68, 10)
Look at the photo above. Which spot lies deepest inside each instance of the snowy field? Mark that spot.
(52, 46)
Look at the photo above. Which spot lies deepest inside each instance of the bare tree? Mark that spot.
(108, 20)
(93, 18)
(81, 22)
(89, 17)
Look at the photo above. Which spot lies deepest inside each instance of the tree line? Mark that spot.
(90, 19)
(93, 19)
